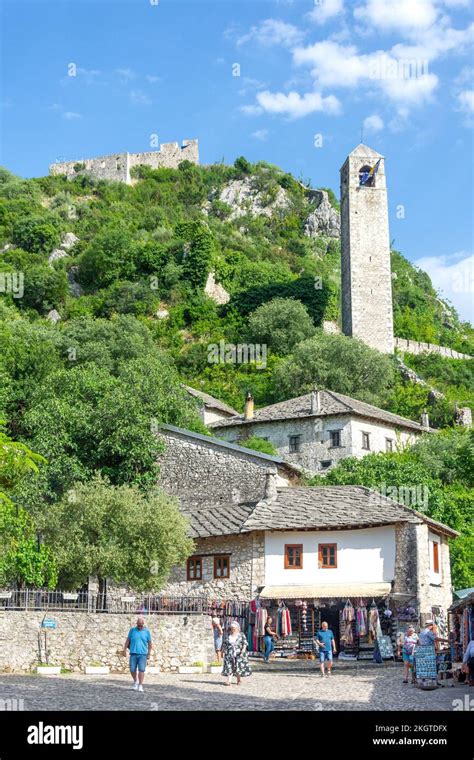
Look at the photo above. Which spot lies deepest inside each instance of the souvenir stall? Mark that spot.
(363, 628)
(227, 611)
(461, 628)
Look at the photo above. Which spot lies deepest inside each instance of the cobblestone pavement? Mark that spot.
(276, 687)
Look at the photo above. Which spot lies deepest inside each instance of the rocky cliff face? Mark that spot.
(324, 220)
(245, 198)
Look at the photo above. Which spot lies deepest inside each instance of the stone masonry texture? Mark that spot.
(81, 639)
(117, 166)
(365, 250)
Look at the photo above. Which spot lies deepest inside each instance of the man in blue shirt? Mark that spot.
(139, 643)
(327, 647)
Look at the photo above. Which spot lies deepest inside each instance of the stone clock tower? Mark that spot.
(365, 250)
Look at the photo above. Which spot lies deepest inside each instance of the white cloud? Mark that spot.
(140, 98)
(373, 123)
(295, 106)
(336, 65)
(126, 75)
(466, 101)
(326, 9)
(454, 277)
(251, 110)
(260, 134)
(71, 115)
(152, 79)
(400, 15)
(273, 32)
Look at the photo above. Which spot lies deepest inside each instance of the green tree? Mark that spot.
(259, 444)
(35, 234)
(117, 532)
(23, 559)
(280, 324)
(337, 363)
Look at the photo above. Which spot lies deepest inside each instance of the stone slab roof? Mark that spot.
(331, 403)
(210, 401)
(216, 519)
(327, 507)
(303, 508)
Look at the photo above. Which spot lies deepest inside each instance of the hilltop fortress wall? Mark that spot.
(117, 167)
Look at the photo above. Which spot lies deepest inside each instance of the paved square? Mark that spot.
(278, 686)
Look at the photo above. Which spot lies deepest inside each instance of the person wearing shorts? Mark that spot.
(410, 640)
(327, 647)
(139, 643)
(218, 637)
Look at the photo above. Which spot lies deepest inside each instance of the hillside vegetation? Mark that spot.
(124, 269)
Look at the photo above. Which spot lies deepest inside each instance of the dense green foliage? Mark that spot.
(435, 476)
(88, 393)
(116, 532)
(22, 559)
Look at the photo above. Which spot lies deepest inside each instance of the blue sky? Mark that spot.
(261, 78)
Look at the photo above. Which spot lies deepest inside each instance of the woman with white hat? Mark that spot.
(236, 661)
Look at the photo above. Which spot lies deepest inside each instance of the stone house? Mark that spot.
(259, 532)
(317, 430)
(210, 409)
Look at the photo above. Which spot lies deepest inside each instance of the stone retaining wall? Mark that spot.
(81, 639)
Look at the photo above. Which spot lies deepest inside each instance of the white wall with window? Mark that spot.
(368, 436)
(306, 557)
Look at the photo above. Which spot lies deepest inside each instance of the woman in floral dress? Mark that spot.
(236, 661)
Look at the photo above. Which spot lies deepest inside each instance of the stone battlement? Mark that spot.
(117, 166)
(417, 347)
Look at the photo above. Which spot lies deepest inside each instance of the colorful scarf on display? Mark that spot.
(361, 620)
(348, 612)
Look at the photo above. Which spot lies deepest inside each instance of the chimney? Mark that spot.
(425, 420)
(270, 486)
(315, 401)
(248, 411)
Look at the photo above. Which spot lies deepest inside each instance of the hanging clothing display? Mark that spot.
(283, 626)
(262, 616)
(375, 629)
(348, 612)
(346, 635)
(361, 619)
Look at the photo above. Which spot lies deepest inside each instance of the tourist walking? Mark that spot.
(410, 640)
(327, 648)
(139, 643)
(218, 637)
(268, 639)
(468, 662)
(236, 661)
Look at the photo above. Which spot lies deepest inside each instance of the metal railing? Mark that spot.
(91, 601)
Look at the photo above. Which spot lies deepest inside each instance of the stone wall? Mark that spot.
(81, 639)
(247, 567)
(405, 581)
(417, 347)
(116, 167)
(315, 440)
(199, 469)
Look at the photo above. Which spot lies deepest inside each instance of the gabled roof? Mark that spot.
(210, 401)
(328, 507)
(365, 152)
(216, 519)
(304, 508)
(331, 403)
